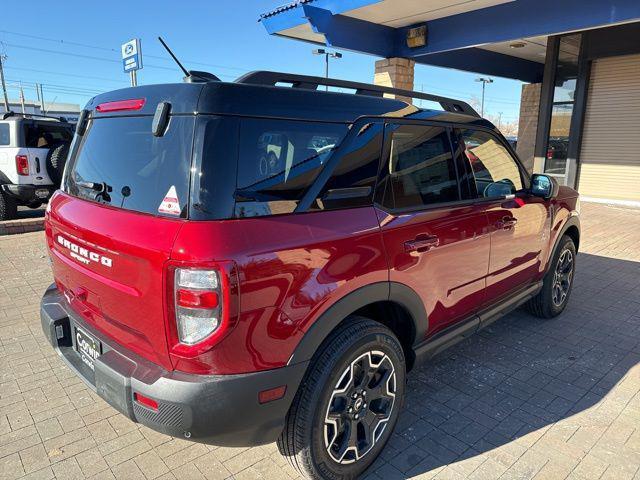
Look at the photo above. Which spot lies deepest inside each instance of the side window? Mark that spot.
(353, 179)
(420, 170)
(4, 134)
(496, 172)
(278, 161)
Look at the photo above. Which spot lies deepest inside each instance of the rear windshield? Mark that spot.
(121, 163)
(46, 134)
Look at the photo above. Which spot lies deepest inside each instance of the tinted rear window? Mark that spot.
(278, 161)
(46, 134)
(139, 170)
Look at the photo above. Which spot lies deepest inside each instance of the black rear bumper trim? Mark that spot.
(215, 409)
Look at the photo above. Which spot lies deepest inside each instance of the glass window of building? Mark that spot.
(563, 102)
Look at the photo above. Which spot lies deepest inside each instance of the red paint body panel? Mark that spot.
(519, 238)
(123, 301)
(449, 278)
(291, 268)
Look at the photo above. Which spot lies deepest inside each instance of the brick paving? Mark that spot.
(525, 398)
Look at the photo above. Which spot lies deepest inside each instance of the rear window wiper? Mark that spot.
(102, 189)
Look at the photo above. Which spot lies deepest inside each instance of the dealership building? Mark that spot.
(579, 59)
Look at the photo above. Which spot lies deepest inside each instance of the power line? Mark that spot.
(66, 74)
(114, 50)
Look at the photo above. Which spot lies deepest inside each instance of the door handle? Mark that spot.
(506, 223)
(422, 243)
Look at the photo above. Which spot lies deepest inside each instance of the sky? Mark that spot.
(73, 50)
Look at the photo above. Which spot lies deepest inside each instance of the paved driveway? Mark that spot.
(525, 398)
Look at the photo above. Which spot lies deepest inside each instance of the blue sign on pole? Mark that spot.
(131, 55)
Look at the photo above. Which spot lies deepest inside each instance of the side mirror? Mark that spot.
(544, 186)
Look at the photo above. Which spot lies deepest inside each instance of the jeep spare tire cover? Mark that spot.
(56, 159)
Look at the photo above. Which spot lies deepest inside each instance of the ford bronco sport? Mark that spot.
(240, 263)
(33, 151)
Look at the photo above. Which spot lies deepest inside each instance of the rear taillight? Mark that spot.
(198, 306)
(22, 165)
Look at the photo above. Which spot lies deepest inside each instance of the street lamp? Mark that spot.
(327, 54)
(484, 84)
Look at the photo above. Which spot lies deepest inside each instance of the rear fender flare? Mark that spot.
(322, 327)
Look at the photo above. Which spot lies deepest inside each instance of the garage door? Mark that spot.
(610, 155)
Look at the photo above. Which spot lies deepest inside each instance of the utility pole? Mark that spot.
(22, 97)
(42, 100)
(327, 54)
(499, 120)
(4, 86)
(484, 81)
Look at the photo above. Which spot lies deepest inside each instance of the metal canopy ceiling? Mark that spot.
(496, 37)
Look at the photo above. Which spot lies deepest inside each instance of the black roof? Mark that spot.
(256, 95)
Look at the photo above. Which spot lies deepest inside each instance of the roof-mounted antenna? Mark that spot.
(190, 75)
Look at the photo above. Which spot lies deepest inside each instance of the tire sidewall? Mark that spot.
(326, 466)
(565, 243)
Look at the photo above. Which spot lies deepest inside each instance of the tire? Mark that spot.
(56, 160)
(8, 207)
(319, 417)
(549, 303)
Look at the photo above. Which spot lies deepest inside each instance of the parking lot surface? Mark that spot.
(525, 398)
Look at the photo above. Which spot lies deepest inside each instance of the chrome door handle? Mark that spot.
(422, 244)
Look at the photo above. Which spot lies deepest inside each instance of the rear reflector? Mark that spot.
(22, 165)
(272, 394)
(120, 105)
(146, 401)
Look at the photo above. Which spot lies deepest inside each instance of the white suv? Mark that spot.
(33, 151)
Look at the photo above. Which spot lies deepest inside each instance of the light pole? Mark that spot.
(484, 81)
(327, 54)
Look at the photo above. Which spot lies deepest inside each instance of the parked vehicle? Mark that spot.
(270, 267)
(33, 151)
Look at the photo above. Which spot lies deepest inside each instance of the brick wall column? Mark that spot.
(396, 73)
(528, 123)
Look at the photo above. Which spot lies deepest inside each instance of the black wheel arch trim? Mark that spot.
(572, 221)
(395, 292)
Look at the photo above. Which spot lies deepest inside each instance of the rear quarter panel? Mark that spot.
(291, 268)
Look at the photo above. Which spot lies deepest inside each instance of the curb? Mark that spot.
(12, 227)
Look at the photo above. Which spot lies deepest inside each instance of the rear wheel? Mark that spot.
(558, 282)
(348, 404)
(8, 207)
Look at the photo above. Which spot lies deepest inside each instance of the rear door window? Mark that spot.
(278, 161)
(4, 134)
(420, 170)
(119, 162)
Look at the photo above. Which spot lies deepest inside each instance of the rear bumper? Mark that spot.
(27, 193)
(220, 409)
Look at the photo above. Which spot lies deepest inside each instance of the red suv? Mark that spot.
(240, 263)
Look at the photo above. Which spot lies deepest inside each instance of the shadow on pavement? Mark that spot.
(26, 212)
(506, 385)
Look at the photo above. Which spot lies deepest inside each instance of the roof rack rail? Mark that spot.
(11, 113)
(311, 83)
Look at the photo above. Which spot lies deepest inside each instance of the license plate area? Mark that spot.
(87, 347)
(42, 193)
